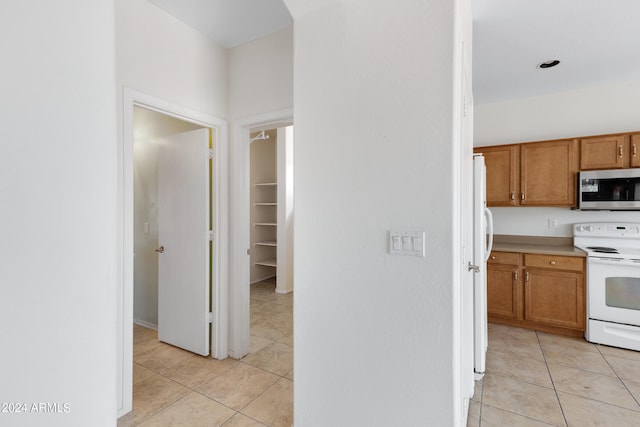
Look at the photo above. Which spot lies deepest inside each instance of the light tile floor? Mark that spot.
(172, 387)
(532, 379)
(538, 379)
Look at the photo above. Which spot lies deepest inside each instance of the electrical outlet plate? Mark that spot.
(409, 243)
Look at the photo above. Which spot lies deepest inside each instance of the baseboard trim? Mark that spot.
(263, 279)
(145, 324)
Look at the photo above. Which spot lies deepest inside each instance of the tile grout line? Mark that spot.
(520, 415)
(482, 395)
(166, 407)
(553, 383)
(586, 369)
(597, 348)
(521, 380)
(600, 374)
(190, 389)
(604, 356)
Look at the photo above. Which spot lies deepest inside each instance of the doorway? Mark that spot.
(125, 316)
(240, 240)
(271, 242)
(172, 213)
(148, 128)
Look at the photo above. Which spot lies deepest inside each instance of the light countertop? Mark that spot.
(562, 246)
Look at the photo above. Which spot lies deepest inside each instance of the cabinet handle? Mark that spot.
(635, 150)
(513, 195)
(620, 150)
(522, 196)
(526, 277)
(515, 276)
(493, 257)
(552, 263)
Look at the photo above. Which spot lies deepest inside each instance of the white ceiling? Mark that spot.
(597, 41)
(230, 22)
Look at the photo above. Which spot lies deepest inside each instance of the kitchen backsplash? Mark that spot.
(528, 221)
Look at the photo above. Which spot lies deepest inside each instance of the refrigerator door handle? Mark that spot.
(489, 216)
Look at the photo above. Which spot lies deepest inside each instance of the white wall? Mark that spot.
(57, 210)
(149, 126)
(161, 56)
(374, 151)
(261, 75)
(590, 111)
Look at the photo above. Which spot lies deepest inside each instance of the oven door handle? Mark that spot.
(614, 261)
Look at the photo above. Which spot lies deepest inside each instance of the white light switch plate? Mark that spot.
(410, 243)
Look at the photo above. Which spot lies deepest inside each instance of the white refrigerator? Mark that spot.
(482, 244)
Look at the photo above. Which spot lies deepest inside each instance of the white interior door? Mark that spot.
(184, 285)
(466, 217)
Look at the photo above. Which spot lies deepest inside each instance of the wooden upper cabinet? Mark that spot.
(634, 151)
(545, 173)
(502, 174)
(604, 152)
(548, 173)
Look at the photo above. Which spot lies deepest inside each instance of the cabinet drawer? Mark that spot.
(554, 262)
(504, 258)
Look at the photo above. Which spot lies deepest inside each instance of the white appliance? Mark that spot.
(482, 244)
(613, 282)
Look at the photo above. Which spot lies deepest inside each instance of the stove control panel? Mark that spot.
(607, 229)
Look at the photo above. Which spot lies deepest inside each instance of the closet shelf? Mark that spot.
(271, 262)
(266, 243)
(265, 204)
(268, 224)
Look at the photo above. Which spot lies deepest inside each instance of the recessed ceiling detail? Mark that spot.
(597, 40)
(548, 64)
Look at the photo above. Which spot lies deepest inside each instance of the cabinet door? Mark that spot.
(634, 152)
(502, 174)
(504, 297)
(555, 298)
(606, 152)
(548, 173)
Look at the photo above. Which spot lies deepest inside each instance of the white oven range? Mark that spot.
(613, 282)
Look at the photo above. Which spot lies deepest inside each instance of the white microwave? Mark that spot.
(613, 190)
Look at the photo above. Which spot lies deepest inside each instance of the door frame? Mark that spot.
(132, 98)
(239, 239)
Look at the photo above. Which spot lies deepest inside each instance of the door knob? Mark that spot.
(160, 250)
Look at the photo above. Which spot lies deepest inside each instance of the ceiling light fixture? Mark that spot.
(548, 64)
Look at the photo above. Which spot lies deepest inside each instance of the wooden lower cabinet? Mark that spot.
(504, 294)
(541, 292)
(504, 290)
(555, 298)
